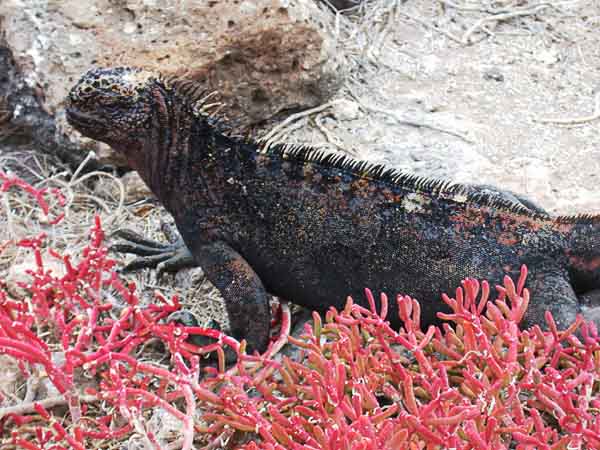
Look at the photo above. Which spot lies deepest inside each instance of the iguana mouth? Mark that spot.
(83, 121)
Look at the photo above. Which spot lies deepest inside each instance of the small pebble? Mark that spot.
(346, 110)
(493, 74)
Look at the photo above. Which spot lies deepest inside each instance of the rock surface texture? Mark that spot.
(262, 56)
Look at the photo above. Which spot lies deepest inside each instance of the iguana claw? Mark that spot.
(169, 257)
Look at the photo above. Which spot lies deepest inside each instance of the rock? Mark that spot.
(343, 4)
(22, 119)
(17, 274)
(263, 56)
(135, 188)
(12, 380)
(346, 110)
(300, 318)
(547, 56)
(493, 73)
(163, 426)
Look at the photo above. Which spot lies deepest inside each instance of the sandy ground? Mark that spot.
(495, 93)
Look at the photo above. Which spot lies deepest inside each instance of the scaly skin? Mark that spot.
(314, 228)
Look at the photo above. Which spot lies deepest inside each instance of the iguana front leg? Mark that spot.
(246, 300)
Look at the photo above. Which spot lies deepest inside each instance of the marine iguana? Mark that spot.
(313, 227)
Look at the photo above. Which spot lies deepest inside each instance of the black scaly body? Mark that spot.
(313, 227)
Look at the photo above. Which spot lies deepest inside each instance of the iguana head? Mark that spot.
(114, 106)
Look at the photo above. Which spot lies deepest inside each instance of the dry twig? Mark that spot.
(277, 130)
(466, 38)
(431, 27)
(405, 121)
(329, 136)
(576, 120)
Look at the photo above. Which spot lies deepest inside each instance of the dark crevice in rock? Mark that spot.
(23, 122)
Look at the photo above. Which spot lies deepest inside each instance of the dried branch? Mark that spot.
(406, 121)
(531, 10)
(576, 120)
(47, 403)
(279, 128)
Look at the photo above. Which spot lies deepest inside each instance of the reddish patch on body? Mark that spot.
(511, 221)
(388, 195)
(468, 219)
(586, 265)
(508, 239)
(361, 187)
(564, 228)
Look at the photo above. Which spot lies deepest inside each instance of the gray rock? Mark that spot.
(494, 74)
(343, 4)
(23, 121)
(262, 56)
